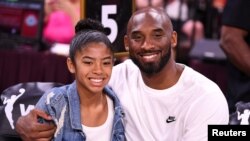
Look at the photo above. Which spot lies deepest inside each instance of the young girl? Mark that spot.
(86, 109)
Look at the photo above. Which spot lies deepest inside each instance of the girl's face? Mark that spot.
(92, 68)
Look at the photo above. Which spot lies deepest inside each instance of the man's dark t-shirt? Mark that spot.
(236, 14)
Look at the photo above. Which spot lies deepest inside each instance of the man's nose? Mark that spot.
(147, 44)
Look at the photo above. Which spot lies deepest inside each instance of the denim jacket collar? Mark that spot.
(74, 107)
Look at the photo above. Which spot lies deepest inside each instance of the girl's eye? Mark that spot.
(87, 62)
(107, 62)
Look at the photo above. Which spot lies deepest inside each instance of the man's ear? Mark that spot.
(71, 66)
(126, 42)
(173, 39)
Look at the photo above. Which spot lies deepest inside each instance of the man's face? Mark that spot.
(149, 41)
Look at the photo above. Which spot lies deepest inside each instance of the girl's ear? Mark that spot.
(71, 66)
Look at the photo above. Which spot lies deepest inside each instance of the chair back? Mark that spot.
(242, 114)
(19, 100)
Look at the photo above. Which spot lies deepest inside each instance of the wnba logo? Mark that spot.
(10, 106)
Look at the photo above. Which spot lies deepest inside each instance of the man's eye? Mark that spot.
(157, 35)
(136, 37)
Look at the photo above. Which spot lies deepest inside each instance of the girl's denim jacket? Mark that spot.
(63, 105)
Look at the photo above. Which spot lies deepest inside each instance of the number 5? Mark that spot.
(110, 23)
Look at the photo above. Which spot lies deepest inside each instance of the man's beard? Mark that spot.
(152, 68)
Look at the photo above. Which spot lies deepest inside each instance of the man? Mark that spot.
(162, 100)
(235, 41)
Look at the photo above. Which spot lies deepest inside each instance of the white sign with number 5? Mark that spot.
(108, 22)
